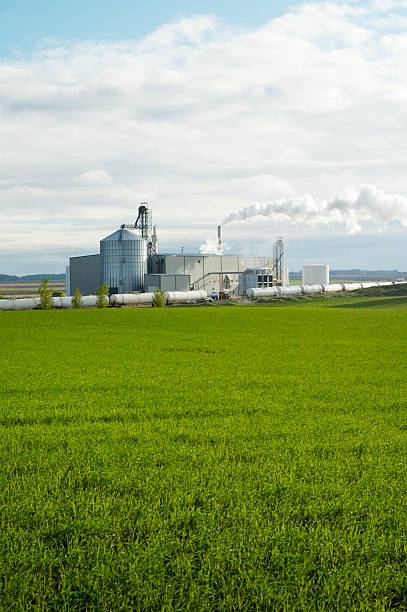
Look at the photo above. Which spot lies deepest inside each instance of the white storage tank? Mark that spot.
(185, 296)
(315, 274)
(123, 260)
(20, 304)
(254, 292)
(290, 290)
(351, 286)
(172, 297)
(335, 287)
(309, 289)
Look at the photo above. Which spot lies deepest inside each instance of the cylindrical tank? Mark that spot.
(368, 285)
(351, 286)
(123, 261)
(332, 288)
(262, 292)
(20, 304)
(131, 298)
(315, 274)
(290, 290)
(147, 298)
(185, 296)
(62, 302)
(309, 289)
(66, 301)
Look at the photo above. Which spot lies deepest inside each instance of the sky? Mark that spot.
(204, 109)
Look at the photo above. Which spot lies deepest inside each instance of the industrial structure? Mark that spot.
(130, 262)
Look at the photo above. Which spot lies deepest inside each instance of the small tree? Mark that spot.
(102, 299)
(77, 300)
(45, 295)
(159, 298)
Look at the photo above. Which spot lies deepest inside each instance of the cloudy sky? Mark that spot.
(203, 108)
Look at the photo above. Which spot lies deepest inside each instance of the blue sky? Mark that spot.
(25, 23)
(204, 109)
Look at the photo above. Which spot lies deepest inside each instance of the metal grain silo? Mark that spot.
(123, 260)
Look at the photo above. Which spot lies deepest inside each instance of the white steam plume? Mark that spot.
(211, 247)
(352, 209)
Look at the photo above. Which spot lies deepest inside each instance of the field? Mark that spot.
(26, 288)
(218, 458)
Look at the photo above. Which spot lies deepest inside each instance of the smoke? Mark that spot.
(352, 209)
(211, 247)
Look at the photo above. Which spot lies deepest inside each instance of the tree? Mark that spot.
(102, 299)
(77, 300)
(45, 295)
(159, 298)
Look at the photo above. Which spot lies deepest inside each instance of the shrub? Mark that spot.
(58, 294)
(77, 299)
(159, 298)
(102, 300)
(45, 295)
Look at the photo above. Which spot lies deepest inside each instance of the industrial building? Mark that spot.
(129, 262)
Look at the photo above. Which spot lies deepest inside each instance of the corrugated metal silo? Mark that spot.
(123, 261)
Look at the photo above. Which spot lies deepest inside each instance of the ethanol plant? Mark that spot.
(130, 262)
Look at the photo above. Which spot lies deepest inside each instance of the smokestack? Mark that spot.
(220, 248)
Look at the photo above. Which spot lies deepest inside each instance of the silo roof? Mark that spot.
(122, 234)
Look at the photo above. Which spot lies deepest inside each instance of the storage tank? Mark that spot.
(332, 288)
(185, 296)
(308, 289)
(315, 274)
(131, 298)
(262, 292)
(20, 304)
(172, 297)
(66, 302)
(351, 286)
(123, 260)
(290, 290)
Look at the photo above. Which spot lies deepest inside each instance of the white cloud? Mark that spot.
(200, 119)
(94, 177)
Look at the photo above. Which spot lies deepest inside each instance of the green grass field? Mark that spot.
(225, 458)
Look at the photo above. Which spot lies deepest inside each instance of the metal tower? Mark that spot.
(278, 252)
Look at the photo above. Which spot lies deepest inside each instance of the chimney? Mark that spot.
(220, 248)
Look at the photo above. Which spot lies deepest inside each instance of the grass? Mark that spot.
(392, 297)
(203, 459)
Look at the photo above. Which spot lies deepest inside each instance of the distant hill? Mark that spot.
(31, 277)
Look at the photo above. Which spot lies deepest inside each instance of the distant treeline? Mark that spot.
(358, 274)
(31, 277)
